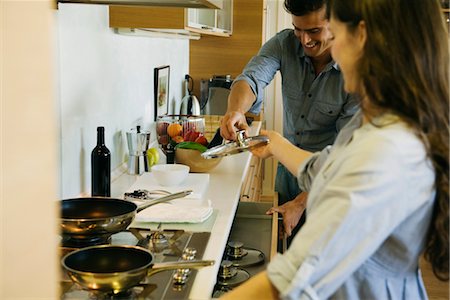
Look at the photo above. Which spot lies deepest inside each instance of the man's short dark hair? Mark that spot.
(303, 7)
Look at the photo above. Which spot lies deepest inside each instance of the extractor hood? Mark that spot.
(215, 4)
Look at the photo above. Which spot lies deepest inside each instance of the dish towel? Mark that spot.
(176, 211)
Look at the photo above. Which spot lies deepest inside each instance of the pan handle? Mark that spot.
(164, 199)
(173, 265)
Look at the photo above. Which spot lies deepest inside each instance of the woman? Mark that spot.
(378, 199)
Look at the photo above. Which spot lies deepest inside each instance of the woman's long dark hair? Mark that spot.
(405, 70)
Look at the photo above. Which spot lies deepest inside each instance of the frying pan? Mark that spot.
(115, 268)
(85, 218)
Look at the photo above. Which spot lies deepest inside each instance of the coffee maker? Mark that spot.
(138, 143)
(214, 94)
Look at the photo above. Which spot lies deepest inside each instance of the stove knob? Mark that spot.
(227, 270)
(189, 253)
(236, 249)
(179, 278)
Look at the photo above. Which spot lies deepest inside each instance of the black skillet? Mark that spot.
(85, 218)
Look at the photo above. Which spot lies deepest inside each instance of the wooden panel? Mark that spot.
(217, 55)
(146, 17)
(252, 187)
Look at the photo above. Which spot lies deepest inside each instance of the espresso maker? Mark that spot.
(138, 143)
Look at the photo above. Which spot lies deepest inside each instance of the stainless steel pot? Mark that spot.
(114, 269)
(84, 218)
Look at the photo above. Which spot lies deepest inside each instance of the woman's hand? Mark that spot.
(266, 151)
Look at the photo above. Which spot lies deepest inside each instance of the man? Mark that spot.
(315, 104)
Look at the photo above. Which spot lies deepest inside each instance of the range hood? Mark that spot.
(214, 4)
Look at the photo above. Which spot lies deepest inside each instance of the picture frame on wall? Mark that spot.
(161, 90)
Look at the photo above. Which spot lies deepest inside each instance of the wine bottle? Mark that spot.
(101, 167)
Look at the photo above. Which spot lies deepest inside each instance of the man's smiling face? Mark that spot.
(312, 32)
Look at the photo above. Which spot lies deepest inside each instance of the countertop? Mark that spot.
(224, 189)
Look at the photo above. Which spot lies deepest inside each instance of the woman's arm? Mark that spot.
(279, 147)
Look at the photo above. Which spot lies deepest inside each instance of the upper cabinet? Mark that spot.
(215, 4)
(204, 21)
(211, 21)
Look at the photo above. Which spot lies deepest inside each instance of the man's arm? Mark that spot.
(247, 90)
(240, 100)
(291, 211)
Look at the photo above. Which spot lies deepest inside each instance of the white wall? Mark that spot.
(106, 79)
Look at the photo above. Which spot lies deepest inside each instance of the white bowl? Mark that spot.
(170, 174)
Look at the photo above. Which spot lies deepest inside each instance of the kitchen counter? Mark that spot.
(224, 189)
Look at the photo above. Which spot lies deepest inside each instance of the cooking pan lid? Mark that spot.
(241, 144)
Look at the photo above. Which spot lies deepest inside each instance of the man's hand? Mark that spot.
(231, 122)
(291, 212)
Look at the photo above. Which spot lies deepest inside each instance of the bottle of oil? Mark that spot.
(101, 167)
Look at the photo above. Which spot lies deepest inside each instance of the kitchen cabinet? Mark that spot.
(170, 3)
(208, 21)
(213, 55)
(205, 21)
(146, 17)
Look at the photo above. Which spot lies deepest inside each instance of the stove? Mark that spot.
(249, 247)
(166, 246)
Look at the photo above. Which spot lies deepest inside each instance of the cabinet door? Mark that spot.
(213, 22)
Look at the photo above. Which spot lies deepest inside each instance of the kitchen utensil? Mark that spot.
(189, 103)
(216, 140)
(84, 218)
(240, 145)
(218, 91)
(142, 194)
(138, 143)
(114, 269)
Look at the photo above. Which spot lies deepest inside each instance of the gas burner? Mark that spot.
(236, 250)
(141, 291)
(166, 246)
(243, 257)
(70, 242)
(159, 238)
(231, 276)
(71, 290)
